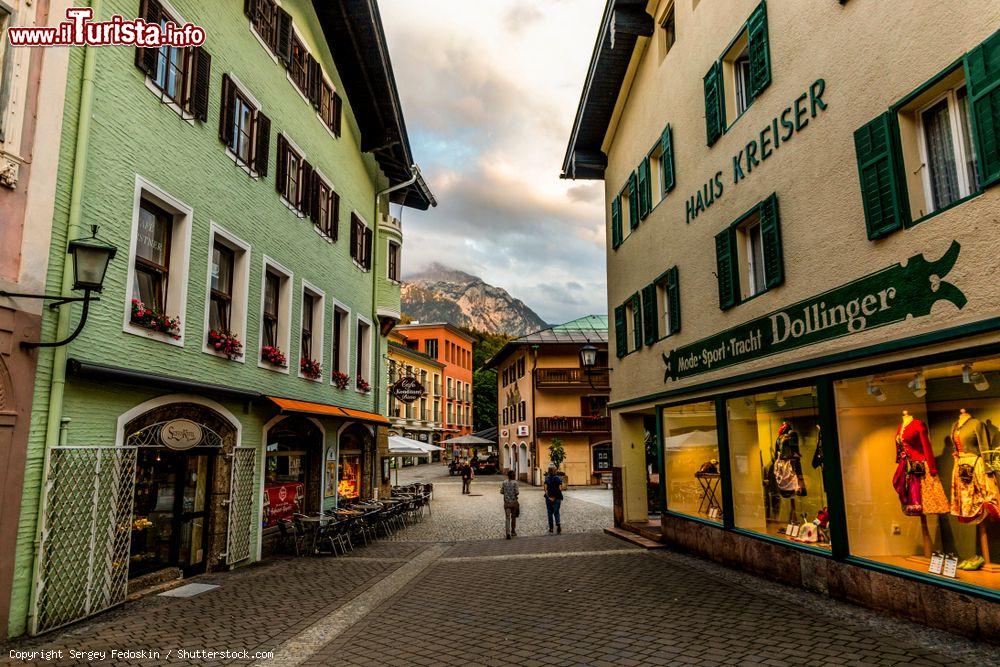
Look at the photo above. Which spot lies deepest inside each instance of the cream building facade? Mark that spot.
(802, 232)
(423, 418)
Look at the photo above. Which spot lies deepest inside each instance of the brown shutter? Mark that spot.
(334, 215)
(145, 59)
(368, 248)
(283, 41)
(262, 140)
(281, 165)
(315, 81)
(354, 238)
(248, 8)
(317, 192)
(226, 110)
(305, 188)
(202, 78)
(337, 112)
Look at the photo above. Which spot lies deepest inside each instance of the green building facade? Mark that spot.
(244, 184)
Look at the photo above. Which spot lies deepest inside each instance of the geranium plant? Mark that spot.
(154, 320)
(225, 342)
(273, 355)
(310, 368)
(340, 379)
(363, 385)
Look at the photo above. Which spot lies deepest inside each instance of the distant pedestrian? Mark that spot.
(511, 507)
(466, 477)
(553, 497)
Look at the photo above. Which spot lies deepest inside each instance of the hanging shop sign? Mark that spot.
(522, 431)
(761, 146)
(407, 389)
(885, 297)
(181, 434)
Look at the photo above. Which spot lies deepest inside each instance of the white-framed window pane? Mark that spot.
(755, 258)
(942, 172)
(741, 71)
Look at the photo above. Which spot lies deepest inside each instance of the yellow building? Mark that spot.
(803, 263)
(544, 396)
(420, 419)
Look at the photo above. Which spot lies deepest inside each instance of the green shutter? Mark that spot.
(878, 170)
(770, 235)
(758, 51)
(726, 271)
(637, 321)
(616, 222)
(713, 102)
(645, 189)
(621, 332)
(650, 317)
(667, 160)
(673, 289)
(982, 76)
(633, 201)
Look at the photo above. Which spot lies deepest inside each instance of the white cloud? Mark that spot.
(489, 92)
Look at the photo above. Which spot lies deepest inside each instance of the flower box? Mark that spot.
(154, 320)
(340, 379)
(273, 356)
(310, 368)
(363, 385)
(225, 342)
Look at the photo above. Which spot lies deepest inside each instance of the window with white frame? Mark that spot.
(362, 355)
(179, 75)
(158, 264)
(393, 261)
(668, 28)
(311, 333)
(752, 257)
(226, 306)
(243, 128)
(340, 333)
(276, 315)
(741, 80)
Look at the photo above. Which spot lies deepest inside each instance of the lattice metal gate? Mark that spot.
(242, 504)
(85, 534)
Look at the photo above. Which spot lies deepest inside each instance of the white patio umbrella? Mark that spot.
(401, 446)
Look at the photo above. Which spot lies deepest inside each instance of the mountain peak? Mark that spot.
(442, 294)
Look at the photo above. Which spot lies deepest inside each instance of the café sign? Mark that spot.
(181, 434)
(407, 389)
(879, 299)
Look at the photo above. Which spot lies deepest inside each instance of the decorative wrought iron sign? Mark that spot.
(407, 389)
(181, 434)
(881, 298)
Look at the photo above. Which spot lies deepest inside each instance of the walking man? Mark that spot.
(511, 507)
(466, 477)
(553, 497)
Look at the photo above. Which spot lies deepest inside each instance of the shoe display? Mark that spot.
(972, 564)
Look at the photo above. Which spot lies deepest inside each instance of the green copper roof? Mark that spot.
(585, 323)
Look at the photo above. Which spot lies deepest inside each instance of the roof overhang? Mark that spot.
(353, 30)
(623, 23)
(326, 410)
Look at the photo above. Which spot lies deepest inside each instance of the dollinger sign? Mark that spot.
(879, 299)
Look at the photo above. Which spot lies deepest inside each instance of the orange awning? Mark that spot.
(292, 405)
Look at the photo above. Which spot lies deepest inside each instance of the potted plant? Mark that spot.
(340, 379)
(310, 368)
(557, 454)
(363, 385)
(154, 320)
(273, 355)
(225, 342)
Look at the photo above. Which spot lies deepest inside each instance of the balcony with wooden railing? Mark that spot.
(577, 425)
(576, 378)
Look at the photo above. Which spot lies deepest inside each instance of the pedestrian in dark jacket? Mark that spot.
(466, 477)
(553, 497)
(511, 507)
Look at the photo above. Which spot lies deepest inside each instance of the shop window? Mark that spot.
(275, 335)
(226, 307)
(311, 336)
(775, 444)
(349, 481)
(749, 255)
(362, 357)
(179, 75)
(932, 149)
(691, 460)
(737, 78)
(161, 236)
(920, 453)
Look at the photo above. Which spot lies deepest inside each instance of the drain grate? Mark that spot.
(188, 590)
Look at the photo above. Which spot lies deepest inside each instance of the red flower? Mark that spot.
(340, 379)
(311, 368)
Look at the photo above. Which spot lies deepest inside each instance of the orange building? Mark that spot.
(453, 347)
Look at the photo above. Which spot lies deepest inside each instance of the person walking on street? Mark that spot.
(553, 497)
(466, 477)
(511, 508)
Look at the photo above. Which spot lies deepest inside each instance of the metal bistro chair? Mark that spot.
(332, 534)
(292, 535)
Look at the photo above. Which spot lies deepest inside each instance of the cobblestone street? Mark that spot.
(447, 592)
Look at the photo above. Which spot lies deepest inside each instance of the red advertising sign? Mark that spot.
(281, 501)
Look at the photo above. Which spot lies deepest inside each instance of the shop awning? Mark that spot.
(326, 410)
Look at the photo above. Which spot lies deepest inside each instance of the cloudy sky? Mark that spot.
(489, 90)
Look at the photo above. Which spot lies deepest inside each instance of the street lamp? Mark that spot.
(588, 358)
(91, 257)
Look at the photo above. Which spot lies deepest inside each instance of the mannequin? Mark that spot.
(974, 494)
(787, 469)
(915, 480)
